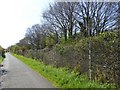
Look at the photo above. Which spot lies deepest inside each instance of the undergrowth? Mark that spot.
(61, 77)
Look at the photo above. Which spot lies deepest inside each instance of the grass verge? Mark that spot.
(1, 59)
(61, 77)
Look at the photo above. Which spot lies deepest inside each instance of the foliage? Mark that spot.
(73, 32)
(50, 41)
(105, 49)
(74, 55)
(1, 59)
(2, 54)
(61, 77)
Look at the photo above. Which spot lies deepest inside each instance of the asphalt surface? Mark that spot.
(18, 75)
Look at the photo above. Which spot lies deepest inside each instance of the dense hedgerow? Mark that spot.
(62, 77)
(74, 54)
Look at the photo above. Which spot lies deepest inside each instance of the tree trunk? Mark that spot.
(90, 60)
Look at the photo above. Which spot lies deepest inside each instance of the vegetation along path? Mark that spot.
(21, 76)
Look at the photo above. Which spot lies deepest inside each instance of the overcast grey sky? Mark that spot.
(16, 16)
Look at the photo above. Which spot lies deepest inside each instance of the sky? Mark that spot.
(18, 15)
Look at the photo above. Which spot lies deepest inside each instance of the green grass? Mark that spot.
(1, 59)
(60, 77)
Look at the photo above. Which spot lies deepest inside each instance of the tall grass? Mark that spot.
(61, 77)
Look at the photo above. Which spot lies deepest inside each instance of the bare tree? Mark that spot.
(60, 15)
(52, 30)
(118, 16)
(93, 18)
(97, 16)
(36, 36)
